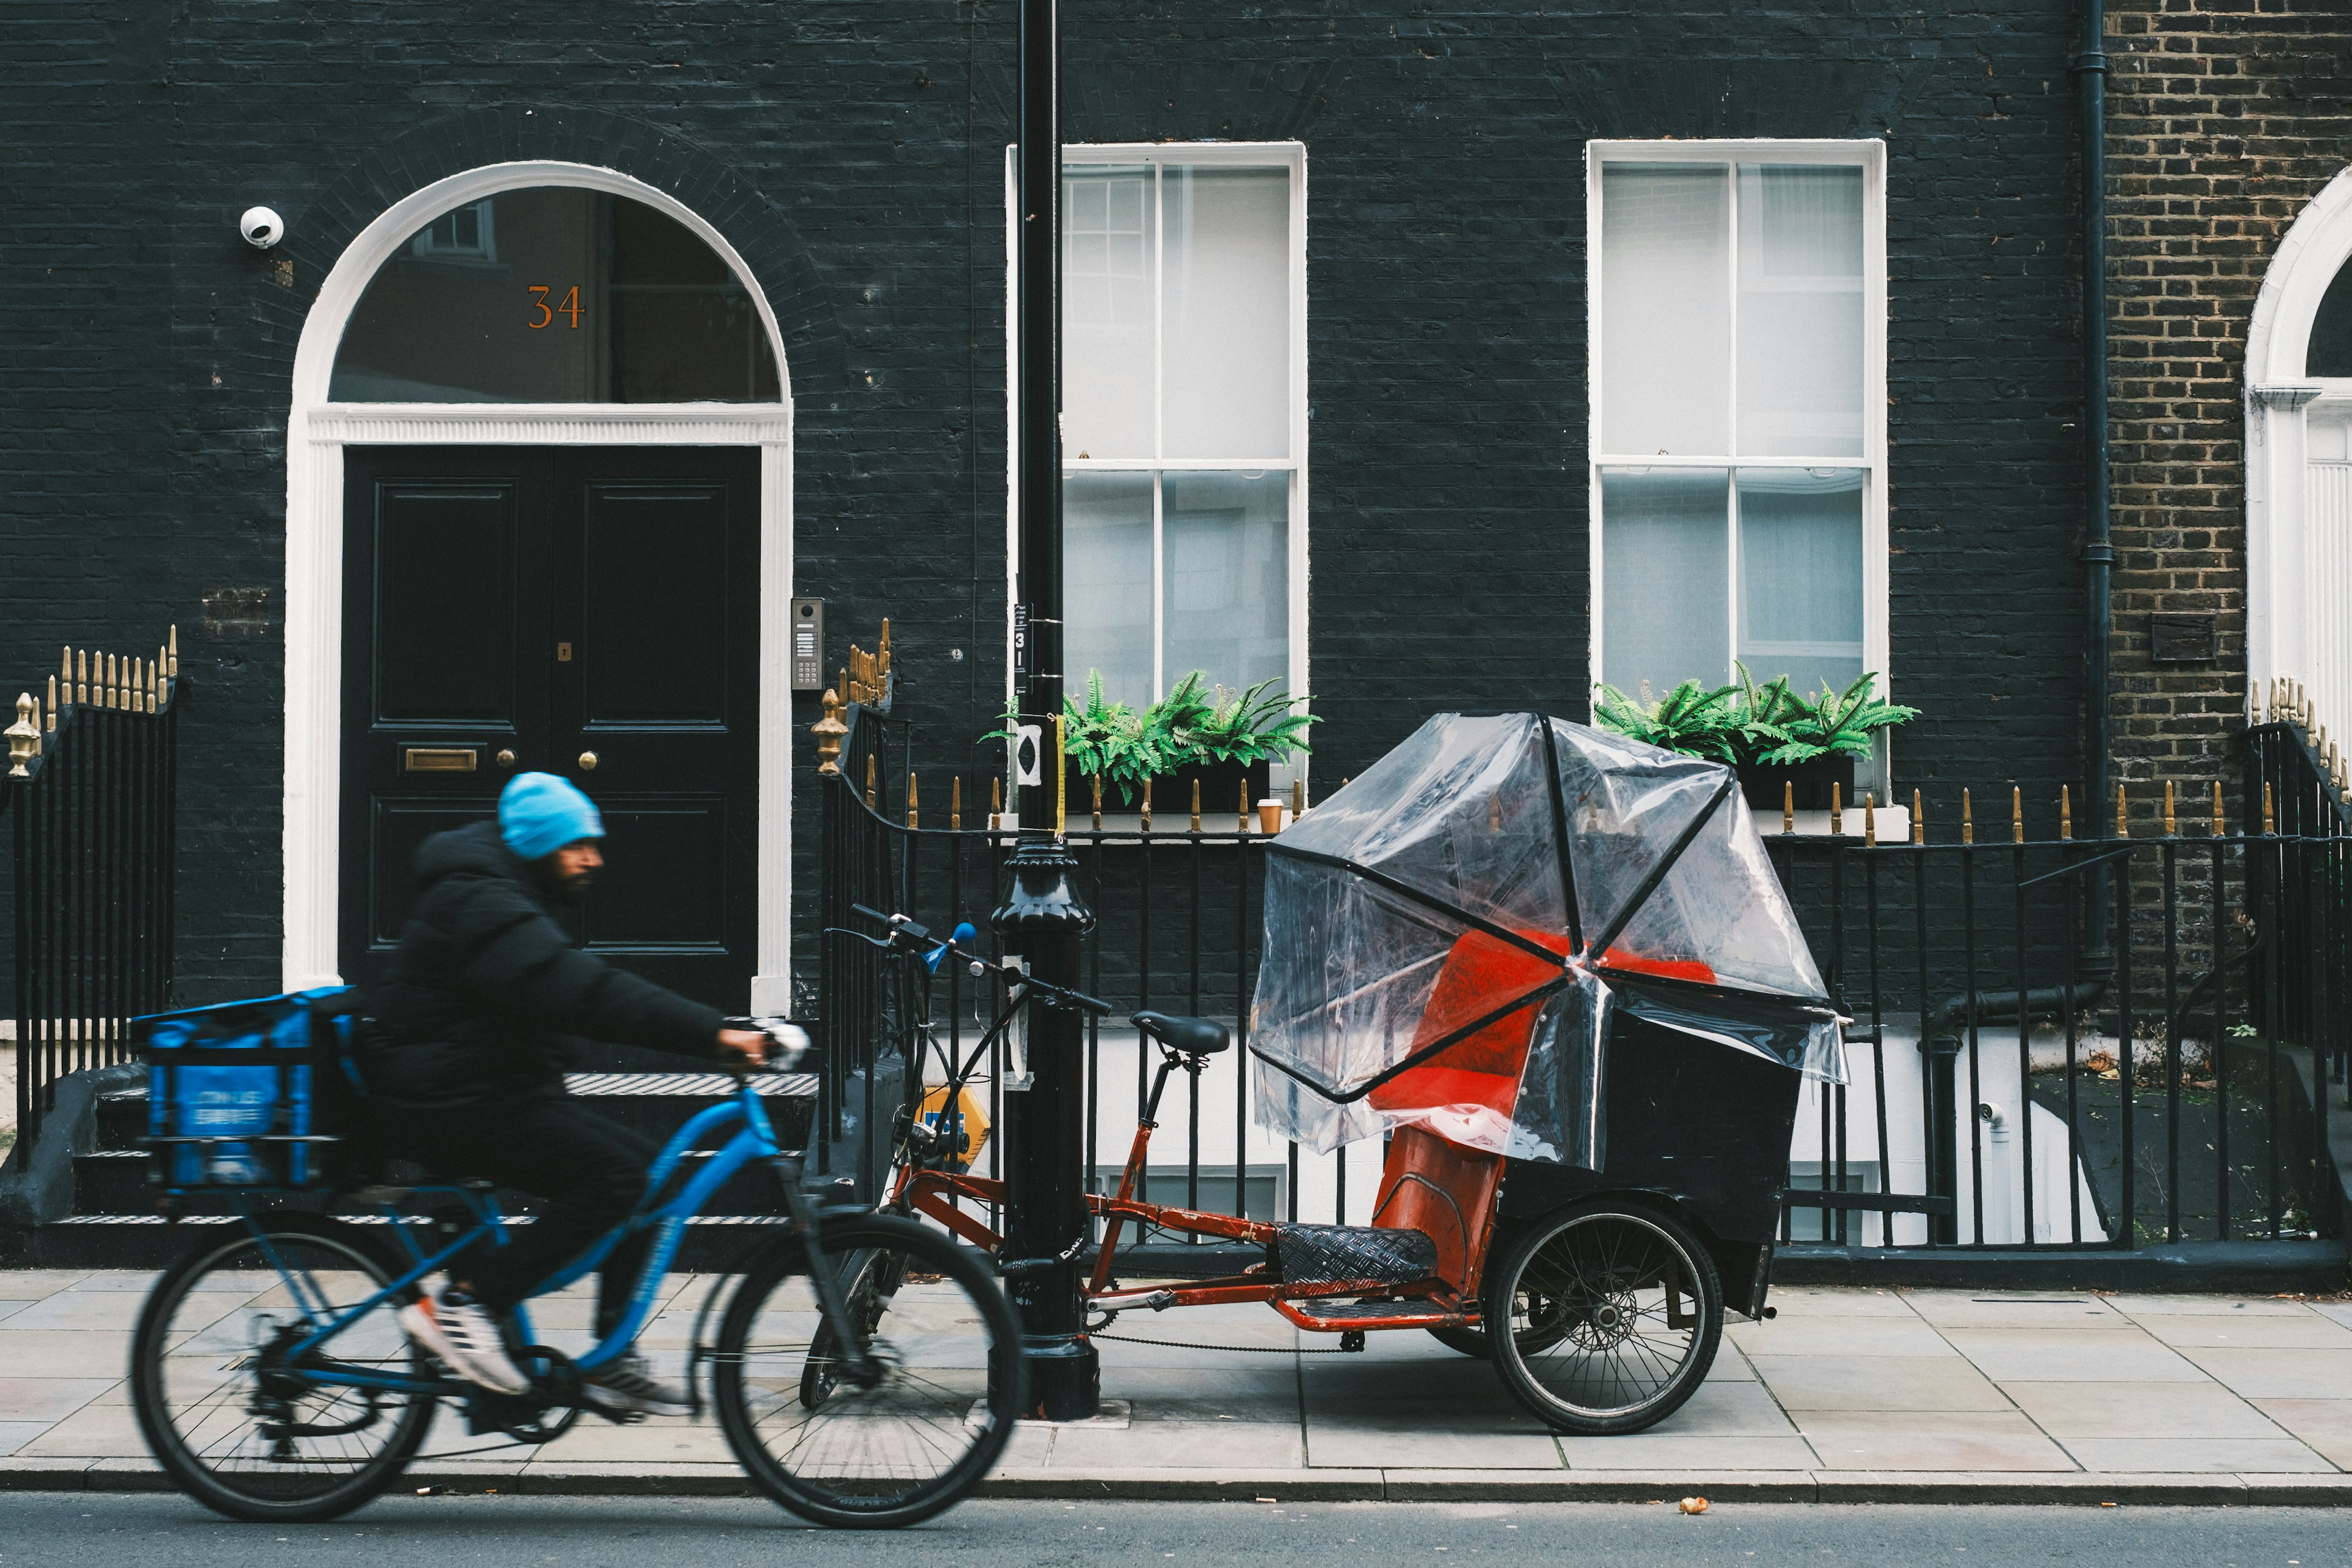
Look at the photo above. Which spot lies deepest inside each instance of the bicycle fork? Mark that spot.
(857, 1360)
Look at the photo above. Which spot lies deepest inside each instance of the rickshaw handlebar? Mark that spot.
(906, 936)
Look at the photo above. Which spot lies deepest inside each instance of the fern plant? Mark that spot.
(1752, 721)
(1689, 719)
(1127, 749)
(1828, 723)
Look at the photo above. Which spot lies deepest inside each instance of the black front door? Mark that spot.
(587, 612)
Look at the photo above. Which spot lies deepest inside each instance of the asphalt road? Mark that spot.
(76, 1529)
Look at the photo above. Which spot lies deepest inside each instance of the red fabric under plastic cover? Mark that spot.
(1482, 1071)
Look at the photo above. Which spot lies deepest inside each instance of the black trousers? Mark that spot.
(589, 1171)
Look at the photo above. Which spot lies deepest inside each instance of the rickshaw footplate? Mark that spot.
(1342, 1317)
(1353, 1254)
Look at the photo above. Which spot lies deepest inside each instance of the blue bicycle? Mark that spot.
(865, 1370)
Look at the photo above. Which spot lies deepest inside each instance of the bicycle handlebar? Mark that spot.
(906, 936)
(787, 1041)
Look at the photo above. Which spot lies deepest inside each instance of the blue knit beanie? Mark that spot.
(539, 813)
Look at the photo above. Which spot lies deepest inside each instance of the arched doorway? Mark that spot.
(543, 521)
(2299, 464)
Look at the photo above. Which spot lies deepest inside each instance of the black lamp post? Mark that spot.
(1042, 919)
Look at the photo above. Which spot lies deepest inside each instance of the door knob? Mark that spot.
(587, 761)
(505, 759)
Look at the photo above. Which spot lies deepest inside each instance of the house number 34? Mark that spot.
(569, 306)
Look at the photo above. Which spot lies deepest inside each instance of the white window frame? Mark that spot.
(1870, 156)
(1291, 156)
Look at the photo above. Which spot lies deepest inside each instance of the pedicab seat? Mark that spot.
(1194, 1037)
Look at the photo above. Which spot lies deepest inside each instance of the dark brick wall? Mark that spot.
(2225, 119)
(854, 153)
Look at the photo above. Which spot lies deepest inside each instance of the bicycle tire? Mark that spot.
(952, 1396)
(218, 1453)
(1620, 1361)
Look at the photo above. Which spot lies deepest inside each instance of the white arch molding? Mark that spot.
(2298, 527)
(317, 432)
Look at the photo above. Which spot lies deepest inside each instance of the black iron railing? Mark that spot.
(88, 803)
(2019, 1074)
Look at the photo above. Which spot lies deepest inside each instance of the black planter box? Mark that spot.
(1220, 794)
(1765, 785)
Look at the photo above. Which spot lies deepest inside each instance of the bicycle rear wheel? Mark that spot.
(946, 1345)
(233, 1421)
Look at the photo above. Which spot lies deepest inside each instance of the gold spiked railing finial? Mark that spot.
(829, 732)
(81, 677)
(1245, 817)
(2016, 815)
(914, 807)
(2066, 812)
(24, 739)
(1097, 783)
(955, 804)
(50, 721)
(2218, 828)
(1788, 806)
(1196, 805)
(1837, 810)
(2168, 829)
(871, 795)
(1298, 798)
(1061, 766)
(1968, 820)
(2123, 815)
(1148, 785)
(2270, 819)
(995, 805)
(1918, 820)
(1869, 819)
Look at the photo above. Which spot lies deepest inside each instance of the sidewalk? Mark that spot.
(1849, 1395)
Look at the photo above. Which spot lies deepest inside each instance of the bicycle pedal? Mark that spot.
(617, 1417)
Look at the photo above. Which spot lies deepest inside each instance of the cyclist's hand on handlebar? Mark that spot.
(749, 1048)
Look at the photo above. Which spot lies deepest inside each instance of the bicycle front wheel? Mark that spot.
(239, 1423)
(921, 1428)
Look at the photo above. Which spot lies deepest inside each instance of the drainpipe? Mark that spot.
(2090, 70)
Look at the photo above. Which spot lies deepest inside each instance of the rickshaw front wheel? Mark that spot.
(1615, 1313)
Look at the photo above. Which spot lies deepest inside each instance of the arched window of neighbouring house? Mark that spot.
(555, 294)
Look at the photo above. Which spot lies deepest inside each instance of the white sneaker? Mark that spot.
(626, 1386)
(466, 1339)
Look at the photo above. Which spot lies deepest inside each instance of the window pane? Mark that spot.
(1665, 309)
(1227, 576)
(2329, 352)
(1226, 306)
(1107, 583)
(1106, 261)
(1800, 311)
(1665, 570)
(1801, 575)
(555, 294)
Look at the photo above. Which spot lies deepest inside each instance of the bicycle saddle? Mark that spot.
(1186, 1037)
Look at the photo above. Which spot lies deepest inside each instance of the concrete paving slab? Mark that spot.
(1830, 1336)
(2013, 1309)
(1246, 1394)
(106, 1309)
(2219, 1455)
(36, 1284)
(2205, 1304)
(596, 1440)
(1256, 1447)
(1348, 1446)
(2261, 1374)
(2261, 1330)
(47, 1399)
(2323, 1425)
(67, 1352)
(10, 1308)
(93, 1432)
(1877, 1382)
(2072, 1356)
(2151, 1410)
(14, 1434)
(1957, 1440)
(1658, 1449)
(1823, 1301)
(2333, 1311)
(1728, 1409)
(2074, 1487)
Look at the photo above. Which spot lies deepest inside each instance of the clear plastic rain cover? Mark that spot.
(1424, 967)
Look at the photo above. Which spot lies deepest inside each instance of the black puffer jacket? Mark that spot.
(482, 1000)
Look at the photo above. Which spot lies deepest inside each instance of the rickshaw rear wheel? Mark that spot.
(1615, 1310)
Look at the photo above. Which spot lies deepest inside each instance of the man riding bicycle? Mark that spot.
(475, 1015)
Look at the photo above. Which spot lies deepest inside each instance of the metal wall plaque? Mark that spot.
(2181, 638)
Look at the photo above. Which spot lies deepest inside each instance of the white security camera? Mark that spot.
(261, 227)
